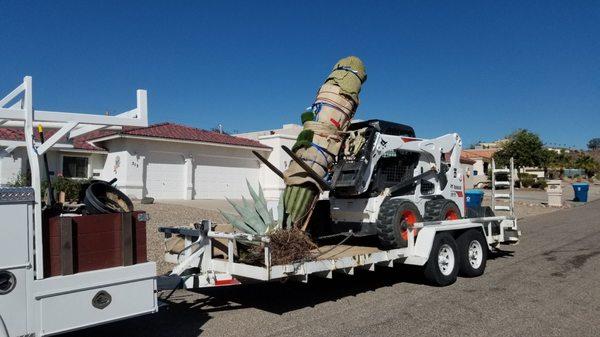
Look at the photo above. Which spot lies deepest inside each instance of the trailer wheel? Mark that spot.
(442, 267)
(473, 253)
(396, 217)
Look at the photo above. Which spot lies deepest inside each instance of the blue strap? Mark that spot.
(316, 108)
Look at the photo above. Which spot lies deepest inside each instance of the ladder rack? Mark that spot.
(16, 111)
(507, 200)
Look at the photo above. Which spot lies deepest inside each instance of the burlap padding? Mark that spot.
(325, 136)
(331, 116)
(317, 160)
(332, 94)
(355, 64)
(349, 84)
(355, 141)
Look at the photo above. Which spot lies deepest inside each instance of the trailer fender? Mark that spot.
(419, 253)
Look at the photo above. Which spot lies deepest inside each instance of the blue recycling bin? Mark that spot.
(473, 198)
(581, 191)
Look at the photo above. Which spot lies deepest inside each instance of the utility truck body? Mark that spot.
(32, 304)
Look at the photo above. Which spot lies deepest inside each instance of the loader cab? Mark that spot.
(351, 173)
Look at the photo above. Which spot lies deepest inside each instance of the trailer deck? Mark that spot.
(198, 267)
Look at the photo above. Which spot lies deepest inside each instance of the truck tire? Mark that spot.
(473, 250)
(441, 209)
(442, 266)
(395, 218)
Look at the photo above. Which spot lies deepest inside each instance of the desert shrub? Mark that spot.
(21, 180)
(527, 182)
(540, 183)
(523, 175)
(71, 187)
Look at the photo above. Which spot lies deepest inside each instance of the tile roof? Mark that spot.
(79, 143)
(162, 130)
(466, 160)
(479, 153)
(187, 133)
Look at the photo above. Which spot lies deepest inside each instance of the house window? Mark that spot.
(75, 167)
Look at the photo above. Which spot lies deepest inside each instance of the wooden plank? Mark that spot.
(127, 239)
(336, 252)
(66, 245)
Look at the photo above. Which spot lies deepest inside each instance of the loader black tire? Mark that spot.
(395, 217)
(442, 266)
(441, 209)
(473, 250)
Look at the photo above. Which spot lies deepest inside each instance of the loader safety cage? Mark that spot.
(197, 268)
(33, 304)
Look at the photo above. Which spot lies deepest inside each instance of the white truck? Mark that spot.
(32, 304)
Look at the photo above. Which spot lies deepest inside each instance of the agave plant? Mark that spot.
(255, 218)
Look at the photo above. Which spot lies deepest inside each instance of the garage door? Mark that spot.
(221, 177)
(165, 173)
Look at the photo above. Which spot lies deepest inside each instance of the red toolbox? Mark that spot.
(75, 244)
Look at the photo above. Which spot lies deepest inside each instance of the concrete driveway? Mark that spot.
(549, 285)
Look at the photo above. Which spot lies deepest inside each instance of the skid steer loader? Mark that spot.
(386, 179)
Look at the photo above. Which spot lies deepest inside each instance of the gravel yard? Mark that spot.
(170, 215)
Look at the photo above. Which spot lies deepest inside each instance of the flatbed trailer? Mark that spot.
(198, 267)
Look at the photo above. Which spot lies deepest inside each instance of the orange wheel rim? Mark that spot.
(451, 215)
(410, 218)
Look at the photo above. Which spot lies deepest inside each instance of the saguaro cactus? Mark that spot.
(319, 142)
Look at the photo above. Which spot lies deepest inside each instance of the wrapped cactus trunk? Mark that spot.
(319, 143)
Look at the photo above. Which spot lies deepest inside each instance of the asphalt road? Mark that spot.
(549, 285)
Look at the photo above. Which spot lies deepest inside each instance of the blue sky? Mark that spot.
(481, 68)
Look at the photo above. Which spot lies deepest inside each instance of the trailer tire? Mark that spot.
(442, 266)
(473, 253)
(395, 218)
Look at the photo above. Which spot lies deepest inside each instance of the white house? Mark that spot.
(272, 184)
(482, 162)
(164, 161)
(77, 159)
